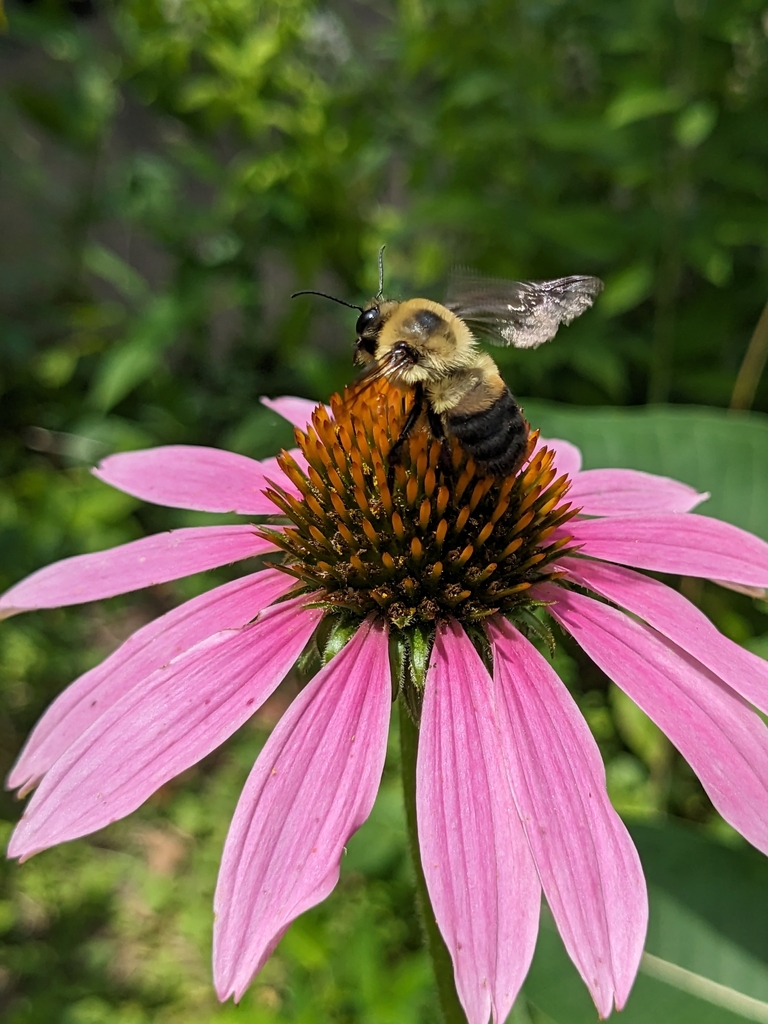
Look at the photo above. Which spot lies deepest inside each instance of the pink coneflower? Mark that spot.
(437, 581)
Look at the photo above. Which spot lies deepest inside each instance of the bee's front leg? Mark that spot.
(413, 415)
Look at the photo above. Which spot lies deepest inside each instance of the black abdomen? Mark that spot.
(496, 437)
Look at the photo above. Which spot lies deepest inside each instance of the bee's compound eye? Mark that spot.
(367, 319)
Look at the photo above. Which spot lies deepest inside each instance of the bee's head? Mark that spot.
(368, 329)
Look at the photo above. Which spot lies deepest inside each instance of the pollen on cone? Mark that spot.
(419, 536)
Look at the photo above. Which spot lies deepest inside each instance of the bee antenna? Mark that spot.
(333, 298)
(380, 292)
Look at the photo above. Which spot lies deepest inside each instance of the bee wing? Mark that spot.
(520, 313)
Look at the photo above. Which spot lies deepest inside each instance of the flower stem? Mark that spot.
(441, 958)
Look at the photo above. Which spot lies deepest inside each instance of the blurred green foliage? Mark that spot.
(170, 171)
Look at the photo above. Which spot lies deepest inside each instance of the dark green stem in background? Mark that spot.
(668, 278)
(441, 958)
(752, 366)
(662, 350)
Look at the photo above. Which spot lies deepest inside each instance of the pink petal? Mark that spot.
(297, 411)
(477, 864)
(185, 476)
(724, 741)
(618, 492)
(674, 616)
(312, 786)
(151, 647)
(567, 455)
(687, 544)
(141, 563)
(178, 715)
(588, 865)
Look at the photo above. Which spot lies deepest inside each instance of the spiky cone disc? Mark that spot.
(431, 546)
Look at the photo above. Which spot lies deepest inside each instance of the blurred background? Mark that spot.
(170, 171)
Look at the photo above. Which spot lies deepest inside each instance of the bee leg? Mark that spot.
(438, 431)
(413, 415)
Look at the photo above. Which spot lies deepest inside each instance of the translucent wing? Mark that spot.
(520, 313)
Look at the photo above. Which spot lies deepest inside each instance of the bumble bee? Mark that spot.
(432, 350)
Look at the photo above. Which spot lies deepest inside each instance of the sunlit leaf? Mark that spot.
(723, 453)
(695, 124)
(627, 288)
(640, 102)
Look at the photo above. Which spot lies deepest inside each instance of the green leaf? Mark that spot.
(107, 265)
(710, 449)
(381, 844)
(710, 906)
(695, 124)
(139, 357)
(706, 959)
(627, 288)
(637, 730)
(638, 103)
(758, 645)
(122, 370)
